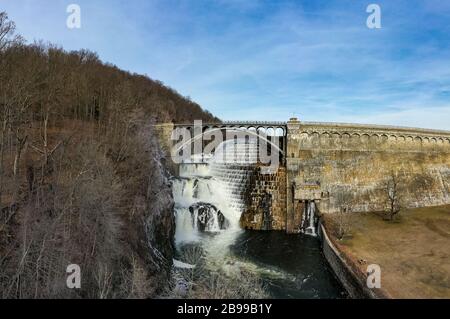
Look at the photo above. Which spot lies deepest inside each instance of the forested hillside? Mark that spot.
(81, 179)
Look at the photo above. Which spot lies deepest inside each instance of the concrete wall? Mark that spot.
(353, 280)
(359, 158)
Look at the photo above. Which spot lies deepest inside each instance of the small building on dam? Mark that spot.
(318, 162)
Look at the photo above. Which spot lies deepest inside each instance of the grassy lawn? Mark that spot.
(413, 252)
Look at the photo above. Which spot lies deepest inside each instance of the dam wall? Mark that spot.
(321, 161)
(265, 201)
(325, 159)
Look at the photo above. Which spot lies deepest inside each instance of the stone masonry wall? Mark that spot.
(359, 158)
(266, 201)
(325, 159)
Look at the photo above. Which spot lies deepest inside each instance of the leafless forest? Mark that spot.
(81, 179)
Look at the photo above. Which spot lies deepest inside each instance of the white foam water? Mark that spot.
(308, 226)
(210, 190)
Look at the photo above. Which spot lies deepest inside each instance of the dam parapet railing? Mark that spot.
(323, 126)
(332, 127)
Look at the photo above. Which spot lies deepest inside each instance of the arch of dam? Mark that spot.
(322, 160)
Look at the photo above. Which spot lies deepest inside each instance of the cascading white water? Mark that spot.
(209, 196)
(199, 205)
(309, 219)
(232, 165)
(190, 170)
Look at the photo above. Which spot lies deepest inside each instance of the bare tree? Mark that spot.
(343, 218)
(78, 132)
(7, 30)
(392, 189)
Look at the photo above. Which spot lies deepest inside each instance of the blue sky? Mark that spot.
(268, 60)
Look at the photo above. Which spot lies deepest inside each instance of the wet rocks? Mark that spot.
(206, 217)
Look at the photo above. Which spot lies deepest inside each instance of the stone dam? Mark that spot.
(319, 161)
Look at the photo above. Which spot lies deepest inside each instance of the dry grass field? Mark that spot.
(413, 251)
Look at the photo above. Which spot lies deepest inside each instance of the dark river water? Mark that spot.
(299, 257)
(289, 266)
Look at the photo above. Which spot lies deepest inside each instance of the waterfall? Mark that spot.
(232, 165)
(200, 206)
(206, 217)
(309, 219)
(210, 195)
